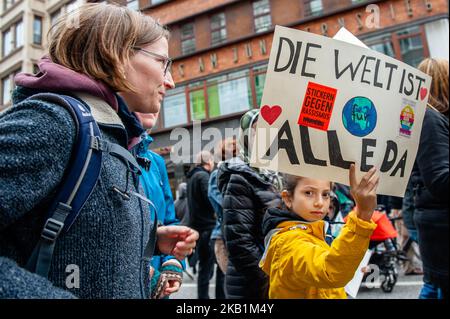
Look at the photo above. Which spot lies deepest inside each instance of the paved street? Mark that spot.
(407, 287)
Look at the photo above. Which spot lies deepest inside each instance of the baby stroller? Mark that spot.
(385, 251)
(383, 242)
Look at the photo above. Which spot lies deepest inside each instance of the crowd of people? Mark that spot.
(266, 235)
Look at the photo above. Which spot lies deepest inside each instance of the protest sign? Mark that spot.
(353, 285)
(328, 103)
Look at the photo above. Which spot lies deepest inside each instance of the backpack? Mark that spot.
(79, 181)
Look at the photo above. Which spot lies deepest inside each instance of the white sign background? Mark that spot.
(288, 91)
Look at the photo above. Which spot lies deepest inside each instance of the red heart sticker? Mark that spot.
(270, 113)
(423, 93)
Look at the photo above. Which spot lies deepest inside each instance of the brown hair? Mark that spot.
(438, 70)
(290, 183)
(98, 39)
(226, 149)
(203, 158)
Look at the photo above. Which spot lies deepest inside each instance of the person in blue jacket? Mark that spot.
(167, 271)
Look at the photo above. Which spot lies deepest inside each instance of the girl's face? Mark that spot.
(310, 199)
(146, 75)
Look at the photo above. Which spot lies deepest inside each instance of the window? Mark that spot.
(35, 68)
(6, 90)
(313, 7)
(7, 87)
(261, 14)
(187, 38)
(382, 44)
(37, 30)
(12, 38)
(18, 34)
(260, 78)
(407, 45)
(174, 107)
(133, 4)
(219, 95)
(8, 4)
(229, 94)
(157, 1)
(411, 46)
(7, 43)
(197, 101)
(218, 29)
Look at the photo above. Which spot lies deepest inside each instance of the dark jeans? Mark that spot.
(432, 228)
(207, 260)
(408, 213)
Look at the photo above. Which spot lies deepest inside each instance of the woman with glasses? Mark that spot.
(114, 61)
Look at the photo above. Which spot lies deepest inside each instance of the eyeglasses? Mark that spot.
(167, 62)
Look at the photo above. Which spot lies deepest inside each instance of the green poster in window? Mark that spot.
(259, 85)
(213, 101)
(197, 105)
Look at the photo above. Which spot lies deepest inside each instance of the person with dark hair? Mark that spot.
(181, 204)
(167, 271)
(301, 257)
(430, 179)
(247, 192)
(227, 149)
(202, 219)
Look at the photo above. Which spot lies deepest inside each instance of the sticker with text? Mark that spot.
(407, 118)
(317, 106)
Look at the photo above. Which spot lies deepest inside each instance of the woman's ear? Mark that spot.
(286, 198)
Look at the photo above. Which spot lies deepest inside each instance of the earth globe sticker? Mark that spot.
(359, 116)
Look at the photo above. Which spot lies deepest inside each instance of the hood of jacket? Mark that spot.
(53, 77)
(236, 166)
(275, 216)
(195, 170)
(56, 78)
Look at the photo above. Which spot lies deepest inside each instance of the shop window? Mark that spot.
(260, 78)
(229, 94)
(174, 107)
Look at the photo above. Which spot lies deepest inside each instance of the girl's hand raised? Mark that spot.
(364, 192)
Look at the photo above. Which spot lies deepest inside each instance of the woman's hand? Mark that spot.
(171, 287)
(364, 192)
(178, 241)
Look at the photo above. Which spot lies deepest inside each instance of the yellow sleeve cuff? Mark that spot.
(359, 226)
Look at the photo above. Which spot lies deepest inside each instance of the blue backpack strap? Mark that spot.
(83, 170)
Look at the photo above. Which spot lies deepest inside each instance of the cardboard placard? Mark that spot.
(328, 103)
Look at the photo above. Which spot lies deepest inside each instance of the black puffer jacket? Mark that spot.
(430, 179)
(246, 196)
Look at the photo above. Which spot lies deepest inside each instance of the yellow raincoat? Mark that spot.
(302, 265)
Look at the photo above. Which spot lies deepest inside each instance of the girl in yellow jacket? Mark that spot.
(298, 258)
